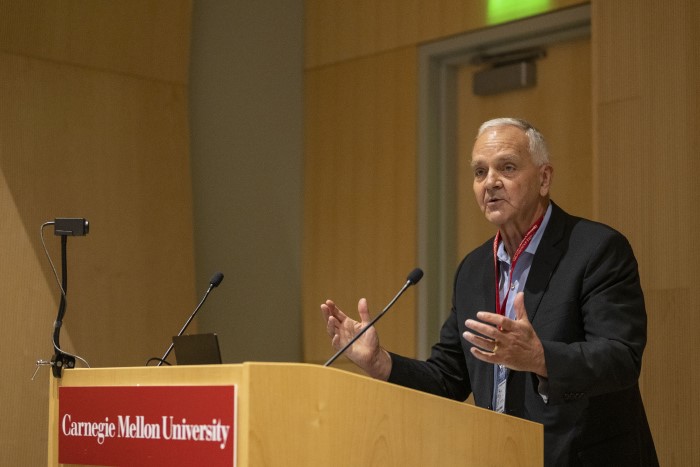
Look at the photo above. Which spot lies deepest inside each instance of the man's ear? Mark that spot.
(546, 172)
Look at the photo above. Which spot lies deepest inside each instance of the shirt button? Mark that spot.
(512, 286)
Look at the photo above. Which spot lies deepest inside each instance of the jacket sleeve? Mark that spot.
(444, 373)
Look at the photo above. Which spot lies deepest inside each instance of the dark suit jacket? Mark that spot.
(585, 303)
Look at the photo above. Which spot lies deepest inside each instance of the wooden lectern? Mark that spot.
(309, 415)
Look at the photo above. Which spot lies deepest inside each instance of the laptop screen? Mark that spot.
(197, 349)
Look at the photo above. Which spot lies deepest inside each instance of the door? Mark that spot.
(559, 105)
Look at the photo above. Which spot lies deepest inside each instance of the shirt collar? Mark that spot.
(534, 243)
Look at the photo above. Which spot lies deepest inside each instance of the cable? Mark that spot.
(46, 251)
(64, 300)
(157, 359)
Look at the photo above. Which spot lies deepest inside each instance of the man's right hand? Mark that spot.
(366, 351)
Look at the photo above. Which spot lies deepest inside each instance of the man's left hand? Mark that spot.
(508, 342)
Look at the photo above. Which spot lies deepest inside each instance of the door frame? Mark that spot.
(438, 63)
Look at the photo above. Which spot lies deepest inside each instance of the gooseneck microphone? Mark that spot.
(412, 279)
(213, 283)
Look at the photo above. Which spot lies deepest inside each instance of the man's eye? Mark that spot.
(479, 173)
(509, 168)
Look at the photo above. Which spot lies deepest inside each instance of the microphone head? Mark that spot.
(218, 277)
(414, 276)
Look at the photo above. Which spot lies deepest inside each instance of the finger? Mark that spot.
(491, 318)
(519, 307)
(481, 342)
(482, 328)
(331, 309)
(332, 326)
(502, 323)
(487, 357)
(363, 309)
(325, 310)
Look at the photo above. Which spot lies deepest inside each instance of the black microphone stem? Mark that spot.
(64, 291)
(370, 324)
(187, 323)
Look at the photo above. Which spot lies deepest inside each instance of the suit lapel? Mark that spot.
(547, 256)
(488, 286)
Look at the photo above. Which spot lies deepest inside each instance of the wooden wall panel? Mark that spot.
(108, 141)
(337, 30)
(116, 36)
(646, 117)
(28, 310)
(112, 149)
(670, 381)
(360, 195)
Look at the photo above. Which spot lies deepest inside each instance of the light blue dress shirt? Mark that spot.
(522, 270)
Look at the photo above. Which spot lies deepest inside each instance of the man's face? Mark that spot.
(508, 186)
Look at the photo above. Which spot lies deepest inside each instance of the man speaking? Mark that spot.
(548, 320)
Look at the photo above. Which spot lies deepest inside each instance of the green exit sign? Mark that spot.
(500, 11)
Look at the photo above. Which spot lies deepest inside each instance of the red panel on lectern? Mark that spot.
(147, 425)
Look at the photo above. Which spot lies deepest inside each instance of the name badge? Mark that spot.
(501, 389)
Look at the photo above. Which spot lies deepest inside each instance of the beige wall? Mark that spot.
(247, 128)
(646, 65)
(93, 123)
(645, 69)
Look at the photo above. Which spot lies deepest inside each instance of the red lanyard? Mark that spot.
(501, 306)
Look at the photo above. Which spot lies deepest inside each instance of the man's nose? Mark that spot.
(492, 180)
